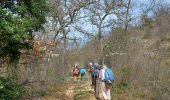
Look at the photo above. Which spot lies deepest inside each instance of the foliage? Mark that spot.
(123, 90)
(147, 22)
(147, 25)
(126, 73)
(117, 42)
(146, 35)
(18, 19)
(9, 89)
(161, 90)
(132, 93)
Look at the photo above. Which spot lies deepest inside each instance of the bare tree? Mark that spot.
(65, 13)
(102, 15)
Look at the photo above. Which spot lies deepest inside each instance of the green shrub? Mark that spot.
(146, 35)
(9, 89)
(126, 73)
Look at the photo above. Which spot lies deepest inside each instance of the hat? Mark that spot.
(96, 64)
(91, 64)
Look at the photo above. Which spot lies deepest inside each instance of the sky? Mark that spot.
(136, 13)
(93, 29)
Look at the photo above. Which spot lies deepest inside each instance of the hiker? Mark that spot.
(91, 73)
(95, 81)
(88, 71)
(106, 78)
(82, 72)
(75, 72)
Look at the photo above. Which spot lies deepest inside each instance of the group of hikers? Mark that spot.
(78, 71)
(102, 78)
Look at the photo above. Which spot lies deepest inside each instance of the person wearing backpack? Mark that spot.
(94, 75)
(91, 73)
(82, 72)
(106, 78)
(75, 72)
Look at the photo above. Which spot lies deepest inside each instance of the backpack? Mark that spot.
(76, 71)
(82, 71)
(109, 76)
(95, 72)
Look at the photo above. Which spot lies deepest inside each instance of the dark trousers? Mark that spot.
(95, 83)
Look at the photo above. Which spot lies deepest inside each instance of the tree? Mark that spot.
(18, 20)
(102, 15)
(63, 17)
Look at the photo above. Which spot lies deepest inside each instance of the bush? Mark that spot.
(9, 89)
(126, 73)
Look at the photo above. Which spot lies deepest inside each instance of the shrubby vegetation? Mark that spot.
(18, 20)
(9, 89)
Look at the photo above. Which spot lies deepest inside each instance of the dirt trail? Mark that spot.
(83, 91)
(80, 90)
(70, 91)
